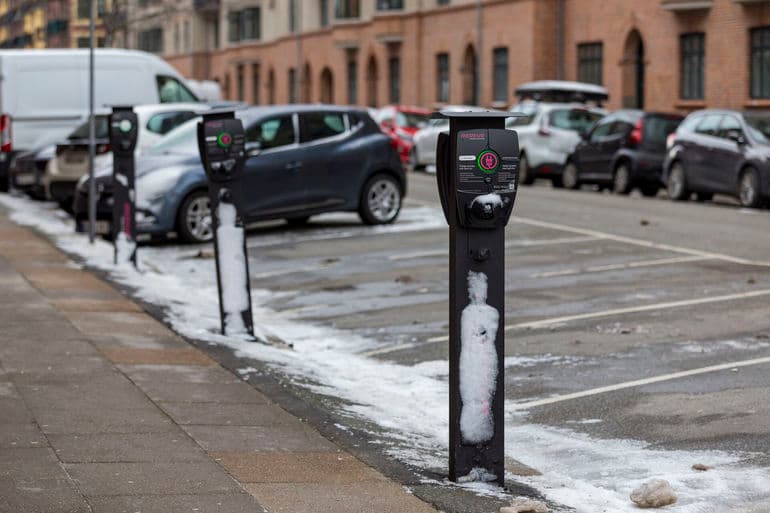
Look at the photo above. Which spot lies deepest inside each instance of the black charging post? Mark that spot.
(477, 166)
(123, 133)
(221, 141)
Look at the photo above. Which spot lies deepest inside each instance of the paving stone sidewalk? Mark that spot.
(104, 409)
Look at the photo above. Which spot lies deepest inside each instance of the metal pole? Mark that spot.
(91, 128)
(479, 41)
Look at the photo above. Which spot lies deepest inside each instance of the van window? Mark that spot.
(319, 125)
(165, 121)
(170, 90)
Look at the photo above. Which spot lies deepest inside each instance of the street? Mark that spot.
(637, 341)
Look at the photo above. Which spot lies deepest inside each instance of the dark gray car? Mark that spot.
(720, 152)
(302, 160)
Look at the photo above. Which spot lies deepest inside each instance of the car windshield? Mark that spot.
(576, 120)
(183, 140)
(101, 129)
(759, 127)
(411, 119)
(529, 109)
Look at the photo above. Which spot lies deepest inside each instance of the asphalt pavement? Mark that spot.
(637, 333)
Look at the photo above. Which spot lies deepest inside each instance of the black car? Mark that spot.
(27, 169)
(302, 160)
(625, 149)
(720, 151)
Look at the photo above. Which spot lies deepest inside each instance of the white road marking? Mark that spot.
(636, 383)
(283, 272)
(510, 244)
(617, 267)
(544, 323)
(640, 242)
(389, 349)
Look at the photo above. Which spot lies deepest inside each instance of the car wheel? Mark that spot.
(569, 178)
(380, 200)
(704, 196)
(525, 173)
(194, 221)
(297, 221)
(621, 181)
(748, 189)
(676, 184)
(649, 190)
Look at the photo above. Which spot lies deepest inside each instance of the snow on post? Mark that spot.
(232, 265)
(478, 362)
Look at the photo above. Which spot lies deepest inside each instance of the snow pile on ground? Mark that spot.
(410, 402)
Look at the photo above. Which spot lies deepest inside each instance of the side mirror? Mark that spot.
(253, 148)
(737, 137)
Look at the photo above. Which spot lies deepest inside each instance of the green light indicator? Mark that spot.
(487, 161)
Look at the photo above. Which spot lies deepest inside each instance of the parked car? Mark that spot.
(27, 170)
(71, 160)
(44, 93)
(623, 150)
(302, 160)
(422, 155)
(720, 152)
(548, 134)
(401, 122)
(562, 91)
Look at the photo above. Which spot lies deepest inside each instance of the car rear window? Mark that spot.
(320, 125)
(759, 127)
(577, 120)
(101, 129)
(657, 128)
(183, 140)
(412, 119)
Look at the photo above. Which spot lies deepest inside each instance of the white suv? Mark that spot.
(548, 133)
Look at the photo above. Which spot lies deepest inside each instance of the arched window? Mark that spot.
(371, 82)
(470, 77)
(327, 86)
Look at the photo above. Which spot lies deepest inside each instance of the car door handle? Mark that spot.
(293, 166)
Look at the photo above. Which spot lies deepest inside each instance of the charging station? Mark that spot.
(477, 167)
(221, 141)
(123, 133)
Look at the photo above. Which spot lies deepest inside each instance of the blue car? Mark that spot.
(302, 160)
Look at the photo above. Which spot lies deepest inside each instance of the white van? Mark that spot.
(44, 93)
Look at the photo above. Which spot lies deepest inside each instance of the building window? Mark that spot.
(760, 62)
(292, 15)
(255, 84)
(250, 21)
(442, 2)
(442, 77)
(352, 81)
(243, 25)
(234, 26)
(590, 57)
(323, 6)
(347, 8)
(390, 5)
(394, 73)
(292, 85)
(150, 40)
(500, 74)
(692, 51)
(239, 82)
(84, 8)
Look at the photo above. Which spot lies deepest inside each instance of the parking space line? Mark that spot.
(618, 267)
(635, 383)
(283, 272)
(545, 323)
(510, 244)
(640, 242)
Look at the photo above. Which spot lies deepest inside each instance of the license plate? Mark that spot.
(74, 158)
(25, 179)
(100, 227)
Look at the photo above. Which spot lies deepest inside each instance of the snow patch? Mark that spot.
(125, 248)
(478, 362)
(492, 199)
(122, 179)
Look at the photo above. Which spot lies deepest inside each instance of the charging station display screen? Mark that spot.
(487, 160)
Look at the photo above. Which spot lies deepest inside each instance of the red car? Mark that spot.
(401, 122)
